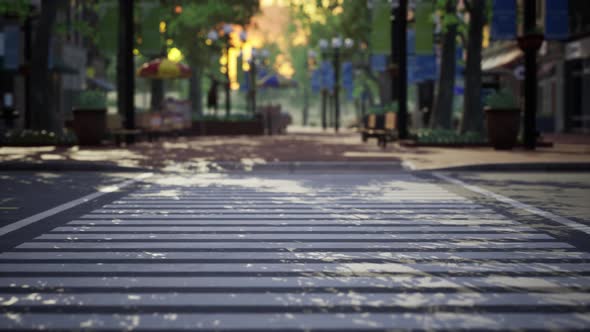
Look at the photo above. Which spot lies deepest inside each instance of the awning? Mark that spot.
(501, 60)
(100, 83)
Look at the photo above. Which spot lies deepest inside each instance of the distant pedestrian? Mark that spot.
(212, 96)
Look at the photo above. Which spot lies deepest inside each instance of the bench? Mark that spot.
(383, 127)
(117, 131)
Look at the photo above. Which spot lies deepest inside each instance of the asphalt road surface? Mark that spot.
(302, 251)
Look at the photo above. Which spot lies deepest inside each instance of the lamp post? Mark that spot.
(311, 58)
(399, 27)
(323, 44)
(227, 30)
(337, 43)
(243, 39)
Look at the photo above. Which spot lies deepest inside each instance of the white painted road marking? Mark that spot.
(529, 208)
(45, 214)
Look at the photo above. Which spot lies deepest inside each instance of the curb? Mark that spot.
(68, 167)
(516, 167)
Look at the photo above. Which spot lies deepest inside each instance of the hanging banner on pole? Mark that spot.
(556, 19)
(378, 63)
(425, 67)
(347, 79)
(327, 76)
(424, 27)
(504, 19)
(380, 42)
(11, 47)
(316, 80)
(411, 73)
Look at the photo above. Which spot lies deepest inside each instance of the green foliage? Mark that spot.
(18, 8)
(503, 99)
(444, 136)
(79, 26)
(189, 28)
(35, 138)
(383, 109)
(91, 99)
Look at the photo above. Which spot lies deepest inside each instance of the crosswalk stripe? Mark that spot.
(320, 256)
(325, 300)
(286, 216)
(369, 245)
(297, 321)
(287, 223)
(279, 229)
(411, 268)
(263, 283)
(301, 236)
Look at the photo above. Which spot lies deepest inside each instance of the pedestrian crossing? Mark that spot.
(300, 252)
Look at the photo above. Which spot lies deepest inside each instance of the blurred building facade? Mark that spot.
(74, 62)
(563, 71)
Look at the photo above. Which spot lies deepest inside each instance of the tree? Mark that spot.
(189, 30)
(443, 108)
(472, 113)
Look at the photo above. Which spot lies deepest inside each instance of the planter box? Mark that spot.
(503, 126)
(227, 128)
(90, 125)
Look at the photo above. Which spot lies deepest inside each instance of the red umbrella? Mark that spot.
(163, 69)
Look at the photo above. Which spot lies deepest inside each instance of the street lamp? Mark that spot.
(323, 44)
(212, 35)
(337, 43)
(309, 62)
(227, 30)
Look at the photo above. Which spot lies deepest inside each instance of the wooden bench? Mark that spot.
(380, 126)
(150, 125)
(117, 131)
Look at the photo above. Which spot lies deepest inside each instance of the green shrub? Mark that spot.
(443, 136)
(383, 109)
(503, 99)
(28, 137)
(91, 99)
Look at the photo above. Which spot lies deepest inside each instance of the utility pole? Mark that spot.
(399, 56)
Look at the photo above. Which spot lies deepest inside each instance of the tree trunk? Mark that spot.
(125, 70)
(443, 108)
(472, 112)
(42, 111)
(196, 91)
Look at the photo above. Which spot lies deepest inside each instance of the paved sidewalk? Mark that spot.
(299, 146)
